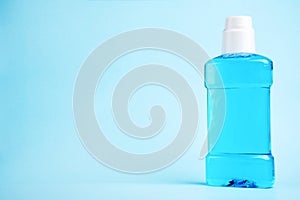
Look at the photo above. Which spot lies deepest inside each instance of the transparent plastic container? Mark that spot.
(241, 157)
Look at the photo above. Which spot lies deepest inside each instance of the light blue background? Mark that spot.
(44, 43)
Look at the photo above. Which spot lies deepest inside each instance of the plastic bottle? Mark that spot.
(241, 154)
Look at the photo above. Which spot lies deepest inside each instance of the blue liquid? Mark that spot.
(241, 157)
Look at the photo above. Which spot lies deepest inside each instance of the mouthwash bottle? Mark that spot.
(239, 81)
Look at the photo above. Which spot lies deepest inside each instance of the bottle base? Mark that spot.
(240, 170)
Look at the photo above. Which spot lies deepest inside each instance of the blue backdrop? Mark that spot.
(44, 43)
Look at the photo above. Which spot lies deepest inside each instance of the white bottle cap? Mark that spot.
(238, 36)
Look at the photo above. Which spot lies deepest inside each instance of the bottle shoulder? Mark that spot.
(232, 70)
(240, 57)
